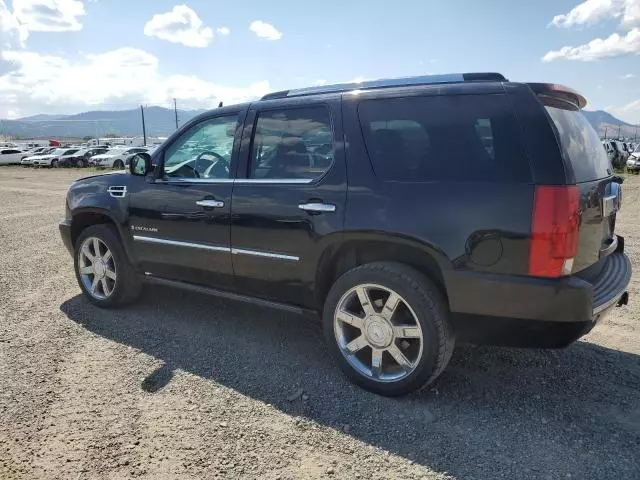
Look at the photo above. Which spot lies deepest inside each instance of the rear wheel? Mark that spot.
(118, 164)
(103, 270)
(388, 327)
(54, 163)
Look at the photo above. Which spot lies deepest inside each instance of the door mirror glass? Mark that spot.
(140, 164)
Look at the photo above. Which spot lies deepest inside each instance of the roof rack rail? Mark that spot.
(389, 82)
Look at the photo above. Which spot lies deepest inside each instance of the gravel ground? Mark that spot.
(186, 386)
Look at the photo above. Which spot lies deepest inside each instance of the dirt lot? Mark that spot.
(182, 385)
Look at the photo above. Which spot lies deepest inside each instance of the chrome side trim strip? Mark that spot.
(176, 243)
(179, 181)
(274, 180)
(215, 248)
(257, 253)
(242, 181)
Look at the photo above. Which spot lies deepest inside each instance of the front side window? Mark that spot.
(294, 143)
(468, 138)
(203, 151)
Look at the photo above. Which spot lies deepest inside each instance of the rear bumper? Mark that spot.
(65, 233)
(568, 299)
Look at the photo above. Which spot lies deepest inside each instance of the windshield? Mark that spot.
(59, 151)
(579, 140)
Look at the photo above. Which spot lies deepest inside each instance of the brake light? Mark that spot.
(555, 228)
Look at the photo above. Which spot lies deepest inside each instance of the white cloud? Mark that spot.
(612, 46)
(180, 25)
(265, 30)
(49, 15)
(629, 112)
(631, 16)
(627, 76)
(224, 31)
(590, 12)
(13, 33)
(121, 78)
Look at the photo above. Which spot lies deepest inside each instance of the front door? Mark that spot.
(180, 223)
(288, 198)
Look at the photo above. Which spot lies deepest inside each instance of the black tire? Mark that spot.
(128, 284)
(54, 163)
(432, 314)
(118, 164)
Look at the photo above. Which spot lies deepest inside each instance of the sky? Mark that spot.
(69, 56)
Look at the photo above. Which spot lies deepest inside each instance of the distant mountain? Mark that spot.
(160, 122)
(607, 124)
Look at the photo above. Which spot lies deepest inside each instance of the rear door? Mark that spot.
(588, 166)
(288, 198)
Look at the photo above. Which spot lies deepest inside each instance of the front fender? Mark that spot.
(91, 195)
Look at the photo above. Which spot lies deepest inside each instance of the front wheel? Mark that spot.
(54, 164)
(388, 327)
(118, 164)
(102, 268)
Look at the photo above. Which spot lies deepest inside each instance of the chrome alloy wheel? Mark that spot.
(97, 268)
(378, 333)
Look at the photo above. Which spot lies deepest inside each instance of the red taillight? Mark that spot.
(555, 227)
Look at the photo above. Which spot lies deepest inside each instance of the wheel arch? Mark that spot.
(86, 217)
(356, 250)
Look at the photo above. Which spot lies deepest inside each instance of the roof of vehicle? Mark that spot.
(389, 82)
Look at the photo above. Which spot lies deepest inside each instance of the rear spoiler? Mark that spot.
(560, 91)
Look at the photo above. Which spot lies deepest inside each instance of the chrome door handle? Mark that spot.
(317, 207)
(210, 203)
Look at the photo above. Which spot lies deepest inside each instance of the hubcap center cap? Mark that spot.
(99, 268)
(378, 331)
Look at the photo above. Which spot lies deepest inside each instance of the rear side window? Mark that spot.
(294, 143)
(579, 140)
(472, 138)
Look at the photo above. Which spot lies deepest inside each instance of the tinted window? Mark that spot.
(203, 151)
(292, 144)
(450, 138)
(579, 140)
(10, 151)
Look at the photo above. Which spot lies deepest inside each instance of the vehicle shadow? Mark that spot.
(494, 413)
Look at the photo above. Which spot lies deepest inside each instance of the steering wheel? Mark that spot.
(219, 168)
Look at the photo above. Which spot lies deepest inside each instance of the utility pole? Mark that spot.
(605, 133)
(175, 111)
(144, 128)
(635, 135)
(620, 125)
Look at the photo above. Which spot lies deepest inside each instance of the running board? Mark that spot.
(148, 278)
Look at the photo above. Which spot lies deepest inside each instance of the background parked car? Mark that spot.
(52, 159)
(81, 158)
(633, 163)
(622, 151)
(28, 161)
(10, 155)
(116, 157)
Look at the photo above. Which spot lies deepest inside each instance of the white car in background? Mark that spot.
(9, 156)
(116, 157)
(26, 161)
(51, 159)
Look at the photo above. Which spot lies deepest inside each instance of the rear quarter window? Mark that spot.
(470, 138)
(580, 143)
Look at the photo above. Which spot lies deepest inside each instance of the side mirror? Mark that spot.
(140, 164)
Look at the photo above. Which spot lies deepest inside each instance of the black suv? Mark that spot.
(410, 212)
